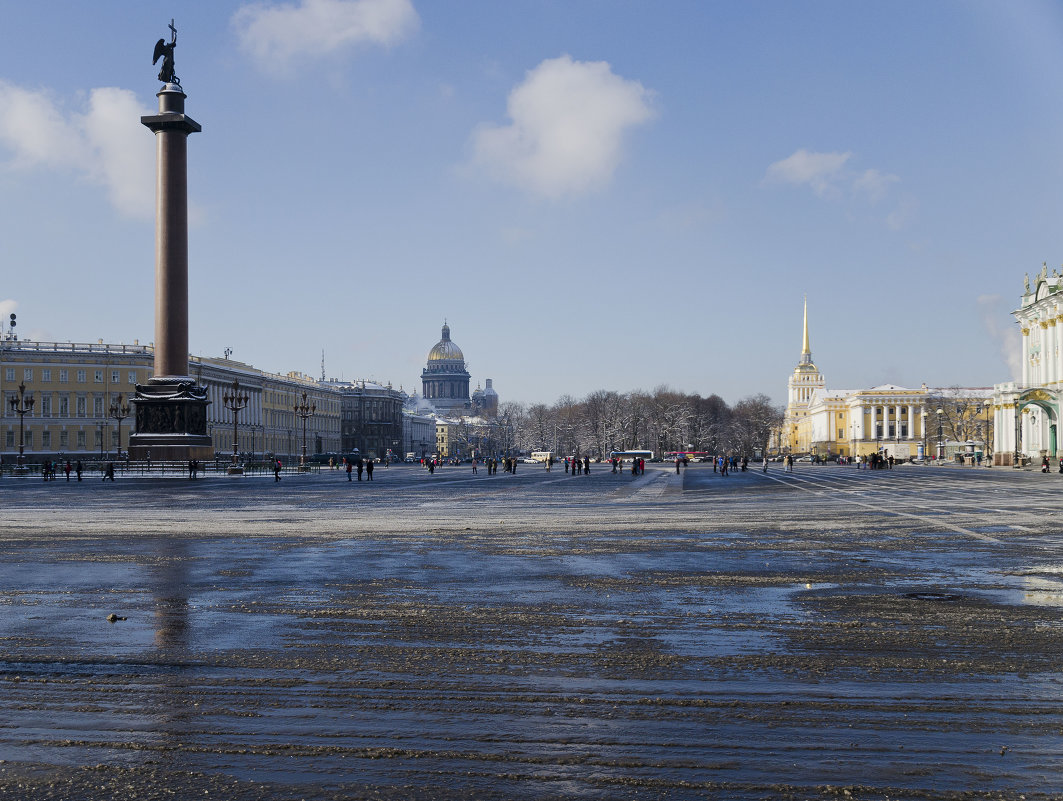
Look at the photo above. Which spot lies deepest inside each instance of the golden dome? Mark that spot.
(445, 350)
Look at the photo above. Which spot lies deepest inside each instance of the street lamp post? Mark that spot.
(941, 434)
(21, 405)
(235, 401)
(1018, 436)
(119, 411)
(100, 426)
(304, 411)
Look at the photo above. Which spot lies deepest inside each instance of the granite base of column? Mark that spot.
(171, 422)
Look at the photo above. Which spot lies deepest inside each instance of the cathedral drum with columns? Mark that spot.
(1026, 413)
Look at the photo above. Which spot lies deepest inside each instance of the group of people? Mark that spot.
(577, 466)
(357, 465)
(638, 466)
(49, 469)
(875, 461)
(725, 464)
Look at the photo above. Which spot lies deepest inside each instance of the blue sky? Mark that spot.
(593, 194)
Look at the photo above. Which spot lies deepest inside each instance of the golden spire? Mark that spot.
(806, 351)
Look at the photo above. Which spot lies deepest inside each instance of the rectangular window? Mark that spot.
(132, 376)
(64, 376)
(27, 374)
(81, 440)
(64, 406)
(64, 440)
(97, 438)
(114, 376)
(9, 374)
(29, 439)
(46, 376)
(46, 405)
(904, 431)
(97, 406)
(46, 439)
(81, 405)
(98, 377)
(81, 376)
(893, 430)
(10, 439)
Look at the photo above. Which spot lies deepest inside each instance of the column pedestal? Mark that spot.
(171, 422)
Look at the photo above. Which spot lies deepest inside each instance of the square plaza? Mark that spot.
(830, 632)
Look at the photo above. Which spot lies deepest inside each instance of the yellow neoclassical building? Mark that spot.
(888, 419)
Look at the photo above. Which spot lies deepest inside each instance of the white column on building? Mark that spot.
(1046, 366)
(1055, 328)
(1025, 353)
(911, 426)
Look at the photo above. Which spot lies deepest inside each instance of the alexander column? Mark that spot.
(171, 417)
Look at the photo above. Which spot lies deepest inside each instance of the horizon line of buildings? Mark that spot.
(79, 388)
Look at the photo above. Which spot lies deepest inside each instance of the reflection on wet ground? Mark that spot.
(791, 635)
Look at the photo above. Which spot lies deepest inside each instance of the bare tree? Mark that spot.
(963, 415)
(753, 421)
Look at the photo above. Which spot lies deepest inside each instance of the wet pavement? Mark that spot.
(827, 633)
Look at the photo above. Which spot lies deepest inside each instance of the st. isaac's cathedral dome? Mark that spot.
(445, 381)
(446, 350)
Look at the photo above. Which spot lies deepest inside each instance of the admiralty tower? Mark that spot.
(445, 381)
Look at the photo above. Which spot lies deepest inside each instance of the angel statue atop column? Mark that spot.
(165, 52)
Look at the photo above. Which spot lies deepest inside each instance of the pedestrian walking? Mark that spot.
(66, 469)
(77, 469)
(349, 468)
(369, 469)
(108, 472)
(277, 470)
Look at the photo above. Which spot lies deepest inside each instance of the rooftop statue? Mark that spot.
(165, 52)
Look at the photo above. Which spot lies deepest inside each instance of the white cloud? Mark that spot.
(829, 175)
(568, 120)
(993, 309)
(874, 184)
(123, 150)
(277, 35)
(105, 144)
(6, 308)
(821, 171)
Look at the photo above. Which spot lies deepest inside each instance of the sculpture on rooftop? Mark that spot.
(165, 52)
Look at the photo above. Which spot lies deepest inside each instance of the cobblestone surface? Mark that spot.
(827, 633)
